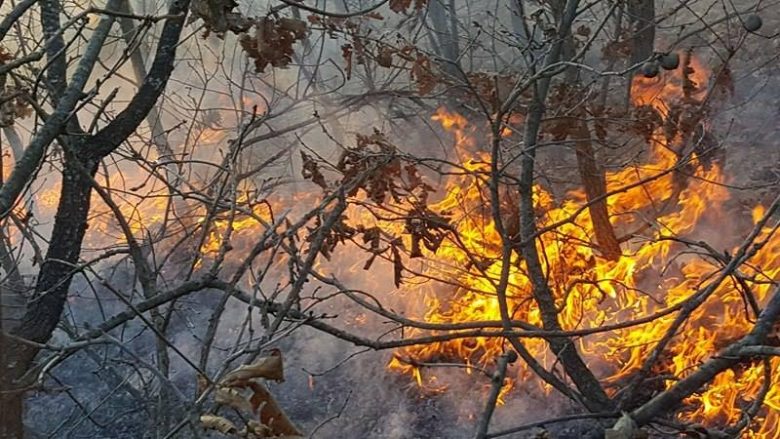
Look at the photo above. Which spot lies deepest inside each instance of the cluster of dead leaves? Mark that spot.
(267, 40)
(402, 6)
(12, 103)
(272, 41)
(219, 16)
(13, 106)
(375, 169)
(242, 391)
(357, 49)
(422, 71)
(685, 121)
(343, 25)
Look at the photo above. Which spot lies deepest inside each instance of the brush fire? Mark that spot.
(574, 226)
(616, 310)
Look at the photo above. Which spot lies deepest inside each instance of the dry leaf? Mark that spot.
(212, 422)
(624, 428)
(385, 57)
(269, 367)
(255, 429)
(233, 398)
(271, 415)
(201, 385)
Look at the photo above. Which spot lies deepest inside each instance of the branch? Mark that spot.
(728, 358)
(112, 135)
(497, 382)
(27, 164)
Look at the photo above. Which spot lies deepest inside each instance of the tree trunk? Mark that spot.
(56, 273)
(592, 177)
(446, 43)
(11, 407)
(594, 182)
(70, 223)
(641, 14)
(595, 399)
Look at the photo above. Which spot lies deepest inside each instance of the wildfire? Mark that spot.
(594, 292)
(648, 205)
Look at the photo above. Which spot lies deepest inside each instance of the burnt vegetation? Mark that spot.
(400, 219)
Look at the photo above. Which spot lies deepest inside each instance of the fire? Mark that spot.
(594, 292)
(648, 205)
(248, 218)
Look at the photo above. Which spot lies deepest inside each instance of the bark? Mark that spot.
(667, 401)
(641, 17)
(56, 74)
(591, 175)
(27, 164)
(595, 184)
(13, 15)
(497, 382)
(594, 397)
(641, 14)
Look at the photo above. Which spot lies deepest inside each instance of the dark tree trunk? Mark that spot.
(594, 182)
(641, 14)
(54, 280)
(592, 177)
(641, 18)
(11, 410)
(446, 44)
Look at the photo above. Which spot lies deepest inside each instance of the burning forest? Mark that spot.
(389, 219)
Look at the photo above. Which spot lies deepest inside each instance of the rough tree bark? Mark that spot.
(594, 397)
(595, 184)
(80, 164)
(591, 174)
(641, 19)
(641, 15)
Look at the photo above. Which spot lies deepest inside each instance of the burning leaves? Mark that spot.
(242, 391)
(591, 292)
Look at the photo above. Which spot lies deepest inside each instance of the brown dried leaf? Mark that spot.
(270, 368)
(346, 52)
(5, 55)
(385, 57)
(271, 415)
(297, 27)
(311, 171)
(423, 74)
(398, 267)
(233, 398)
(400, 6)
(272, 42)
(201, 384)
(213, 422)
(214, 13)
(255, 429)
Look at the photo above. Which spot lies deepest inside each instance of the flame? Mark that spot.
(594, 292)
(648, 204)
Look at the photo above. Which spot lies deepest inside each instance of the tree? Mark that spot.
(551, 238)
(82, 152)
